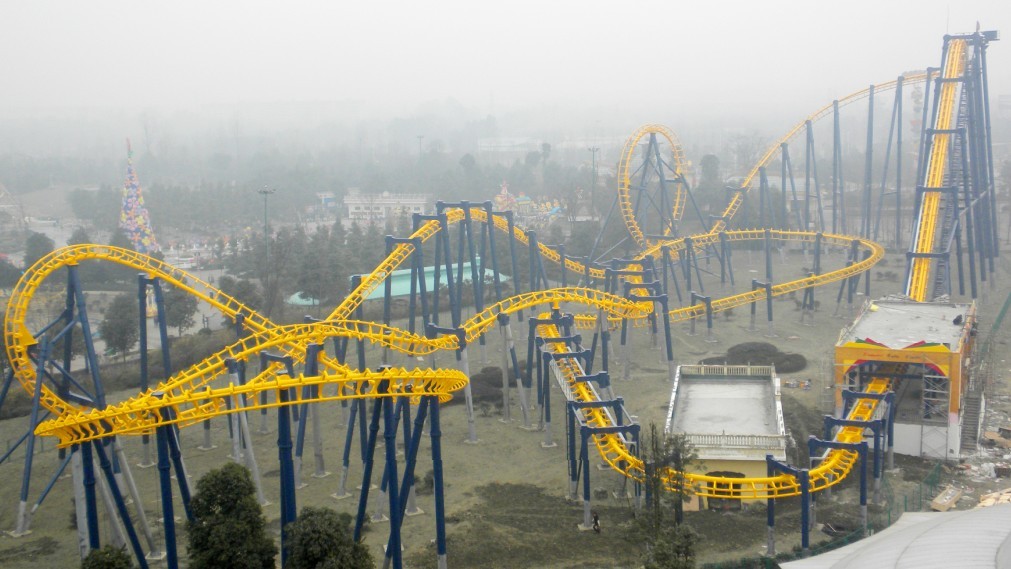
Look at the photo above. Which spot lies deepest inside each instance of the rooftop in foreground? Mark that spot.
(728, 412)
(970, 538)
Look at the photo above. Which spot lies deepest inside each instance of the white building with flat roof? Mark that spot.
(373, 208)
(733, 417)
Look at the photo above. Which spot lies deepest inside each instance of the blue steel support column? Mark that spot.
(162, 434)
(440, 500)
(287, 470)
(838, 216)
(349, 436)
(970, 229)
(808, 162)
(512, 254)
(668, 341)
(403, 417)
(989, 148)
(159, 302)
(561, 253)
(390, 435)
(142, 281)
(570, 444)
(26, 477)
(548, 441)
(865, 203)
(363, 499)
(863, 486)
(91, 505)
(770, 512)
(584, 451)
(805, 512)
(891, 428)
(854, 281)
(754, 307)
(898, 163)
(387, 297)
(534, 252)
(636, 429)
(784, 220)
(763, 195)
(177, 460)
(124, 514)
(407, 482)
(312, 352)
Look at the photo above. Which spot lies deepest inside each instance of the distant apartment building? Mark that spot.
(374, 208)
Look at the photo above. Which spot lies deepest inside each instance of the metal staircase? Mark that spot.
(972, 407)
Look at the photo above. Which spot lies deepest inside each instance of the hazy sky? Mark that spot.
(698, 58)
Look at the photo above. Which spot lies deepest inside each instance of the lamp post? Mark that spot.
(266, 242)
(593, 179)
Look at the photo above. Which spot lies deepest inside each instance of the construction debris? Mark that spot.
(946, 500)
(994, 498)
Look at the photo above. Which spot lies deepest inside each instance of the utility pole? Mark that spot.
(266, 245)
(593, 180)
(420, 150)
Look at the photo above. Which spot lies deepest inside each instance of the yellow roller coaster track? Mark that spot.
(19, 339)
(771, 152)
(926, 229)
(614, 450)
(625, 173)
(192, 398)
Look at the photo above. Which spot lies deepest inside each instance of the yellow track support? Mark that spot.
(926, 230)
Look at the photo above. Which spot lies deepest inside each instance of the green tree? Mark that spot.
(120, 239)
(669, 543)
(228, 528)
(37, 246)
(243, 290)
(118, 272)
(91, 271)
(120, 328)
(9, 273)
(109, 557)
(321, 539)
(668, 458)
(674, 548)
(180, 308)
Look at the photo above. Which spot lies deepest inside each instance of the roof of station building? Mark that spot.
(706, 401)
(901, 323)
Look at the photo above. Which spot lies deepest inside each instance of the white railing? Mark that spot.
(731, 370)
(737, 441)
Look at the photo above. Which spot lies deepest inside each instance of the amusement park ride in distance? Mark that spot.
(302, 365)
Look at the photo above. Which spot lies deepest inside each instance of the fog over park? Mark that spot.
(79, 77)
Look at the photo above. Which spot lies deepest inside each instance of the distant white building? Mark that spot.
(373, 208)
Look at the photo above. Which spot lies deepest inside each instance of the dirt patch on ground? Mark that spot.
(762, 354)
(31, 551)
